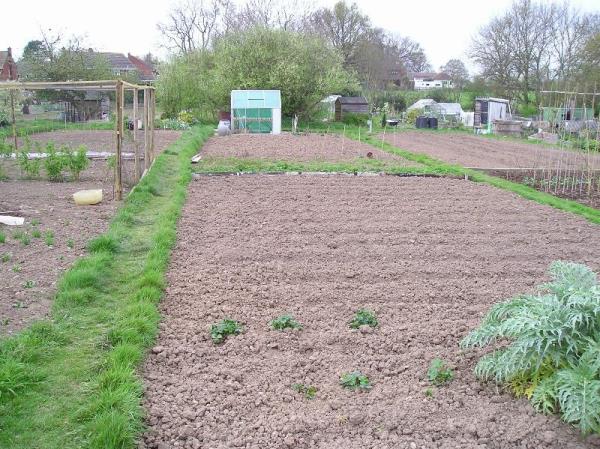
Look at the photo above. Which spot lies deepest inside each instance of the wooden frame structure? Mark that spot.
(119, 87)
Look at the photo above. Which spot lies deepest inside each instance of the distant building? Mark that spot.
(123, 66)
(146, 71)
(350, 105)
(8, 66)
(431, 80)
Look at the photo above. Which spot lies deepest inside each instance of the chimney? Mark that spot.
(9, 52)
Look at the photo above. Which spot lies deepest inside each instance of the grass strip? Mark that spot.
(591, 214)
(218, 165)
(27, 127)
(70, 381)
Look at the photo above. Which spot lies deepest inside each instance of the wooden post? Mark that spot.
(136, 161)
(119, 102)
(151, 120)
(146, 131)
(14, 121)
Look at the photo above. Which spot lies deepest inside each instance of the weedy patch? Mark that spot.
(309, 391)
(428, 392)
(219, 332)
(49, 238)
(438, 373)
(553, 355)
(16, 268)
(364, 317)
(36, 233)
(355, 381)
(5, 257)
(285, 322)
(29, 284)
(25, 240)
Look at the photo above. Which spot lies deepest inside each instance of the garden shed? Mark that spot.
(256, 111)
(352, 105)
(489, 109)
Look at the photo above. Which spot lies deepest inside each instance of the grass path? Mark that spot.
(70, 381)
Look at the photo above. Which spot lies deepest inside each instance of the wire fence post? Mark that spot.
(119, 100)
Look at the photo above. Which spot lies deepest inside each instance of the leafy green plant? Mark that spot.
(49, 238)
(76, 161)
(2, 237)
(16, 268)
(54, 163)
(355, 119)
(5, 257)
(31, 167)
(36, 233)
(285, 322)
(309, 391)
(355, 380)
(363, 317)
(428, 392)
(219, 332)
(29, 284)
(438, 373)
(553, 355)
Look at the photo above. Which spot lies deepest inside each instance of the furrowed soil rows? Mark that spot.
(481, 152)
(301, 147)
(428, 256)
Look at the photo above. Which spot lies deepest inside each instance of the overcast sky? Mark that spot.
(444, 28)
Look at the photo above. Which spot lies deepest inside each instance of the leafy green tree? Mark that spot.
(303, 67)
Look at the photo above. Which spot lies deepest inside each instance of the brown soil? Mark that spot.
(430, 256)
(301, 147)
(52, 204)
(103, 140)
(482, 152)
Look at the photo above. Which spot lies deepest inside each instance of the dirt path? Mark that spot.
(303, 147)
(481, 152)
(428, 255)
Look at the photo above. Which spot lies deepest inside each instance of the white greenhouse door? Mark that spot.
(276, 121)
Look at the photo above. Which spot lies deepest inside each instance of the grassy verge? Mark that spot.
(527, 192)
(70, 381)
(358, 165)
(27, 127)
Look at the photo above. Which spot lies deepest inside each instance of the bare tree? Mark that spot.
(193, 24)
(344, 27)
(457, 71)
(287, 15)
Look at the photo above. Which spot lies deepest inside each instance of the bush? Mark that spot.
(411, 116)
(76, 161)
(54, 163)
(553, 355)
(31, 167)
(355, 119)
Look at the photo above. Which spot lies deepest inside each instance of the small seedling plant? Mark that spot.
(438, 373)
(49, 238)
(309, 391)
(219, 332)
(553, 351)
(2, 237)
(364, 317)
(5, 257)
(285, 322)
(70, 243)
(355, 380)
(29, 284)
(36, 233)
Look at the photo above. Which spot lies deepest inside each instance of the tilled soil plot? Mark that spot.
(28, 278)
(104, 140)
(430, 256)
(301, 147)
(481, 152)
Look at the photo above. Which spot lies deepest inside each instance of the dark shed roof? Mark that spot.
(352, 100)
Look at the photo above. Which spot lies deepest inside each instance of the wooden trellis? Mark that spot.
(119, 87)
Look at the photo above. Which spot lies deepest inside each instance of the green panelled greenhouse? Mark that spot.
(256, 111)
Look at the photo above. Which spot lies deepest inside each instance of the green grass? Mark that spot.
(223, 165)
(70, 381)
(2, 237)
(27, 127)
(49, 238)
